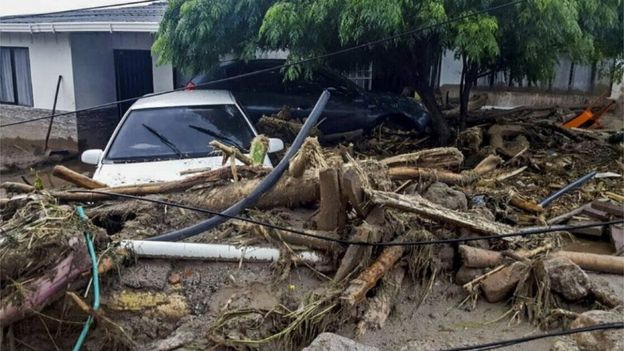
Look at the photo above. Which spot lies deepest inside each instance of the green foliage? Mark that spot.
(525, 39)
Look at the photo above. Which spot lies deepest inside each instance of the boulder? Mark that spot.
(567, 278)
(335, 342)
(500, 285)
(600, 340)
(442, 194)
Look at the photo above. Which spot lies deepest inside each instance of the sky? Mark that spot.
(21, 7)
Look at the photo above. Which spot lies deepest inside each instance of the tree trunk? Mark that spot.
(439, 125)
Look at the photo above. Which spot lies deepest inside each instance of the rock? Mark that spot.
(465, 274)
(175, 278)
(600, 340)
(564, 344)
(566, 278)
(442, 194)
(501, 284)
(335, 342)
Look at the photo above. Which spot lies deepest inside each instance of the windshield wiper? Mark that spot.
(218, 136)
(164, 140)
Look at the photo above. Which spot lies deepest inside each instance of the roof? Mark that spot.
(185, 98)
(143, 18)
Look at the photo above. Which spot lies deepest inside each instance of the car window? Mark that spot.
(179, 132)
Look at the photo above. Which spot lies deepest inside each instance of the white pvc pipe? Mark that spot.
(216, 252)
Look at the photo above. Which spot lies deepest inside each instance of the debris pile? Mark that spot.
(363, 224)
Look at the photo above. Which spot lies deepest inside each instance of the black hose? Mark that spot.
(267, 183)
(557, 194)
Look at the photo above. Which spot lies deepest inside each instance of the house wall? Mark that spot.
(50, 56)
(569, 77)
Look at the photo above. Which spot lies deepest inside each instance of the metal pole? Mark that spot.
(58, 85)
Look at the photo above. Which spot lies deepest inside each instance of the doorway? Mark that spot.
(133, 74)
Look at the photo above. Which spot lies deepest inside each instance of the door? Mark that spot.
(133, 74)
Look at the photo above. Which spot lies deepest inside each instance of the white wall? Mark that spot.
(50, 56)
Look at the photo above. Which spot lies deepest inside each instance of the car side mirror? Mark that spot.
(91, 157)
(275, 145)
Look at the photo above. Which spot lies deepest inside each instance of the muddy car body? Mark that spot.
(166, 137)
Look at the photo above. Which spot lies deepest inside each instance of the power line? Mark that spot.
(9, 17)
(521, 233)
(510, 342)
(285, 65)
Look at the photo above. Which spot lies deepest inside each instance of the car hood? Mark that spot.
(132, 173)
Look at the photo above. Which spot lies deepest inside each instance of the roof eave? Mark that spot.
(146, 27)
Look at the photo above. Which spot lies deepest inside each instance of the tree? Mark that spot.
(525, 39)
(529, 38)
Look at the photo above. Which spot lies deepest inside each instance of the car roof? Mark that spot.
(185, 98)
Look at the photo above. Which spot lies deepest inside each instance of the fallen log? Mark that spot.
(14, 187)
(40, 292)
(222, 173)
(332, 214)
(231, 152)
(464, 178)
(309, 155)
(367, 279)
(474, 257)
(369, 231)
(76, 178)
(419, 205)
(595, 262)
(285, 129)
(288, 192)
(380, 305)
(442, 157)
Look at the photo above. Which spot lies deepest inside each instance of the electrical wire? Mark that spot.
(523, 232)
(282, 66)
(510, 342)
(10, 17)
(96, 282)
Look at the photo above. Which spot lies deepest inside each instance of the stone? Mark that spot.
(567, 278)
(466, 274)
(600, 340)
(442, 194)
(335, 342)
(500, 285)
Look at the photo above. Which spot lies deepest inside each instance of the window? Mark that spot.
(15, 83)
(179, 132)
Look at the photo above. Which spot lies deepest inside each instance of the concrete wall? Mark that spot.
(50, 56)
(582, 80)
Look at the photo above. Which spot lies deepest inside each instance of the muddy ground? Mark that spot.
(187, 296)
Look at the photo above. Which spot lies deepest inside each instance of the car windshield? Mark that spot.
(179, 132)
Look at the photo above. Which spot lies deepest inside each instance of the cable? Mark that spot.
(524, 232)
(510, 342)
(96, 282)
(285, 65)
(77, 9)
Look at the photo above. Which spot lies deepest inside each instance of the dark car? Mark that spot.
(350, 107)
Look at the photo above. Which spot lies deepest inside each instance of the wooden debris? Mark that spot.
(14, 187)
(466, 177)
(437, 158)
(231, 152)
(525, 204)
(162, 187)
(417, 204)
(380, 305)
(499, 285)
(595, 262)
(76, 178)
(332, 213)
(474, 257)
(367, 279)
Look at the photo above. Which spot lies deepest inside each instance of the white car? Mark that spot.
(163, 137)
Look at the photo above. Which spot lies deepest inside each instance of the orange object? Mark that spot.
(588, 116)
